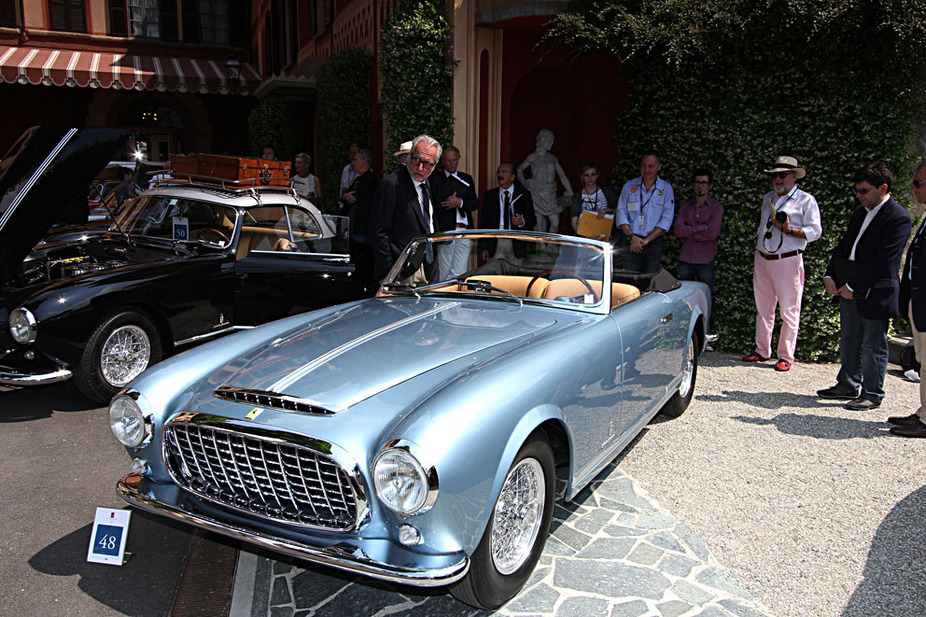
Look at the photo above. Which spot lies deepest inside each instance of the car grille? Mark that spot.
(265, 476)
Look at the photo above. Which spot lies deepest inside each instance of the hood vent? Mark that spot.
(271, 400)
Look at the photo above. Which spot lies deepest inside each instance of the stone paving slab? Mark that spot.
(613, 551)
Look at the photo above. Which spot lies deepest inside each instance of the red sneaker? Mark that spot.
(754, 357)
(783, 365)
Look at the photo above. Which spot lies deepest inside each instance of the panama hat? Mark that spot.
(405, 148)
(787, 163)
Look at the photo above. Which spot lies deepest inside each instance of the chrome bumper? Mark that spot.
(350, 561)
(16, 378)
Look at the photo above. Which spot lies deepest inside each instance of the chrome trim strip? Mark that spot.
(35, 176)
(355, 562)
(15, 378)
(307, 368)
(202, 337)
(328, 257)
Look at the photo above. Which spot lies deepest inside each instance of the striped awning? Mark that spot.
(100, 69)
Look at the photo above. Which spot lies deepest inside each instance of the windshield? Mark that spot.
(504, 264)
(174, 218)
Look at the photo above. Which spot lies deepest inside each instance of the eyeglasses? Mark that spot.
(862, 191)
(918, 184)
(782, 174)
(414, 160)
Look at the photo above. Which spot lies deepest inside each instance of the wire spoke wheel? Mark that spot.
(125, 354)
(518, 516)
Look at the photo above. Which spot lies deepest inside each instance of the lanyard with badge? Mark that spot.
(633, 205)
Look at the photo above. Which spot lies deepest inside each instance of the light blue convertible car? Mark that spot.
(413, 437)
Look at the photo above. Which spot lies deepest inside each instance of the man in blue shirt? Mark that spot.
(645, 210)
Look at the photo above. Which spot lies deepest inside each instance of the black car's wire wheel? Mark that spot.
(123, 344)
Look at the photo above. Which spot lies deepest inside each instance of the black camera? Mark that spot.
(781, 217)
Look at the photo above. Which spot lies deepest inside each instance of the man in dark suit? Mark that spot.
(506, 207)
(453, 195)
(913, 304)
(402, 205)
(863, 273)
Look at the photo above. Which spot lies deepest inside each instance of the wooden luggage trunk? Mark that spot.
(240, 170)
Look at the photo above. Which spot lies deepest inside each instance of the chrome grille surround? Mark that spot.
(275, 475)
(271, 400)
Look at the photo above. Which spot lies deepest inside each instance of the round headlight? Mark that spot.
(400, 481)
(128, 422)
(22, 326)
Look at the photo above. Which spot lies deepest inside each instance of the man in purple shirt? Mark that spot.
(698, 225)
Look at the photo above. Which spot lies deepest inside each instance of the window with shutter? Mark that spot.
(67, 15)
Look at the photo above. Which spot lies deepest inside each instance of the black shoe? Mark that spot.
(862, 404)
(837, 392)
(911, 420)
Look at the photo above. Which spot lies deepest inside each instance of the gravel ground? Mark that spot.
(817, 510)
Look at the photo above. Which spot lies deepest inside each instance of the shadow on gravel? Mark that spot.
(143, 586)
(766, 400)
(894, 581)
(820, 427)
(36, 402)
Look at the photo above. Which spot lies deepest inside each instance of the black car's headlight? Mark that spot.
(131, 426)
(22, 326)
(402, 483)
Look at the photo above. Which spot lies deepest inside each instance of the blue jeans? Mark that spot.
(862, 351)
(705, 274)
(650, 260)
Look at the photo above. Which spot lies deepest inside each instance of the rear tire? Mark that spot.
(123, 345)
(679, 402)
(516, 533)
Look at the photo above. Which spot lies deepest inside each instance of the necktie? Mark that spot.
(507, 210)
(425, 201)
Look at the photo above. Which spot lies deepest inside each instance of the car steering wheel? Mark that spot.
(575, 275)
(212, 230)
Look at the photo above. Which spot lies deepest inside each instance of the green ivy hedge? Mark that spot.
(343, 115)
(416, 70)
(278, 123)
(732, 84)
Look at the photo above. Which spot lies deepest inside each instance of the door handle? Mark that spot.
(667, 318)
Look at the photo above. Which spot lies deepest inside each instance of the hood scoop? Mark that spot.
(272, 400)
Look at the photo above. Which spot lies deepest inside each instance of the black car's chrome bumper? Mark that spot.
(12, 377)
(354, 561)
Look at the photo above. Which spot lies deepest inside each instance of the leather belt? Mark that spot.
(777, 256)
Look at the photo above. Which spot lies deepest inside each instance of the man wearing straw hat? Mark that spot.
(790, 218)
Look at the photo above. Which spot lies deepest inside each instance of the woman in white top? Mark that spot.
(305, 183)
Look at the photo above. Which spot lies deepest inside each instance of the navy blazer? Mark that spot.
(395, 220)
(913, 279)
(522, 204)
(443, 187)
(873, 279)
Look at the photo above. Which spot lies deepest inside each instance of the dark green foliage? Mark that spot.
(732, 84)
(278, 123)
(417, 74)
(343, 115)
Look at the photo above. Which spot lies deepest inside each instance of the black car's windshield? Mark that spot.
(174, 218)
(504, 266)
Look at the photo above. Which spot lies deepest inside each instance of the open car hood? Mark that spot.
(41, 175)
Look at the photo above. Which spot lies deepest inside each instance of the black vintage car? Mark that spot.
(184, 262)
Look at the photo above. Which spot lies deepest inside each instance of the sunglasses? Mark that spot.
(918, 183)
(782, 174)
(862, 191)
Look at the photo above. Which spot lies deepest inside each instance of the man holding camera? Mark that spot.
(863, 273)
(790, 218)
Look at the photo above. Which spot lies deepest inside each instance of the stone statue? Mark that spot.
(544, 168)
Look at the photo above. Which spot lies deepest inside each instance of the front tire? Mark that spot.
(516, 533)
(123, 345)
(679, 402)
